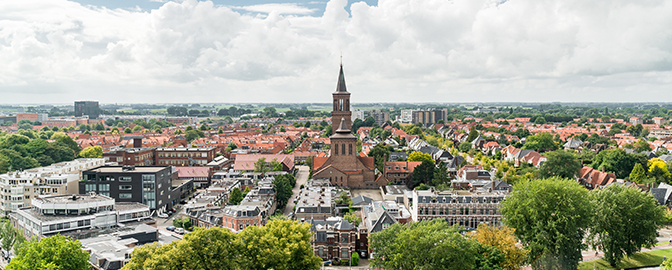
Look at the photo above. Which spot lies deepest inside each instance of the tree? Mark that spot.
(275, 165)
(541, 142)
(638, 174)
(641, 146)
(617, 161)
(353, 219)
(261, 166)
(658, 170)
(502, 238)
(214, 248)
(473, 134)
(430, 244)
(230, 147)
(626, 219)
(380, 155)
(464, 147)
(92, 152)
(422, 174)
(550, 217)
(193, 134)
(560, 163)
(281, 244)
(11, 237)
(440, 176)
(184, 222)
(282, 186)
(55, 252)
(419, 156)
(236, 196)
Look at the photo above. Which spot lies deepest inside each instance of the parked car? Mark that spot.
(171, 228)
(179, 230)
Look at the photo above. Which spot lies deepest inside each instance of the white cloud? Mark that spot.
(398, 51)
(280, 8)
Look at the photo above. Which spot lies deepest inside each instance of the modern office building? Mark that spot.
(150, 185)
(89, 108)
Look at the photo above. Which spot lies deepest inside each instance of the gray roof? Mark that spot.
(659, 194)
(429, 150)
(340, 87)
(361, 200)
(573, 143)
(343, 225)
(666, 158)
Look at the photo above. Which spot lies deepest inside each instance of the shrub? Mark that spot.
(355, 259)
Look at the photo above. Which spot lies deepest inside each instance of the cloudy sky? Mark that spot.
(156, 51)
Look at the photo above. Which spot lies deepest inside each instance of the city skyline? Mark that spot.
(393, 51)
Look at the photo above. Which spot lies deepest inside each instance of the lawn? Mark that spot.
(642, 259)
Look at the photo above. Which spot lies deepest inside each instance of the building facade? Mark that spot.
(458, 207)
(150, 185)
(333, 239)
(59, 214)
(18, 188)
(183, 156)
(344, 167)
(89, 108)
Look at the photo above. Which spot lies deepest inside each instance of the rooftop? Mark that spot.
(120, 169)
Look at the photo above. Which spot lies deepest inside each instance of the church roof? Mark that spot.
(340, 87)
(343, 132)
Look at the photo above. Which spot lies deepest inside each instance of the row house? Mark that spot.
(592, 178)
(458, 207)
(333, 238)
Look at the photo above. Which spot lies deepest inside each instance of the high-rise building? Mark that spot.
(380, 116)
(89, 108)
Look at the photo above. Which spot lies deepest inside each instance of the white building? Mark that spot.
(19, 187)
(58, 214)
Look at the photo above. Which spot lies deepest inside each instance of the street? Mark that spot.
(301, 179)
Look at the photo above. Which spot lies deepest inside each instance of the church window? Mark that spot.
(342, 149)
(336, 149)
(350, 149)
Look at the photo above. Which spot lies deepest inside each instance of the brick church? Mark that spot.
(345, 167)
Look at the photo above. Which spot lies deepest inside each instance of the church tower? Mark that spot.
(341, 108)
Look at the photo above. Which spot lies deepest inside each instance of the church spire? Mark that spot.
(340, 88)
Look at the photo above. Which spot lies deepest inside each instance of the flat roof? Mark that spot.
(79, 198)
(120, 169)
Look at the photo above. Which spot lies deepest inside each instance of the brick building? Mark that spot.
(458, 207)
(399, 172)
(333, 239)
(183, 156)
(344, 167)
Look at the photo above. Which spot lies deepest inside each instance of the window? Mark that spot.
(104, 187)
(125, 187)
(342, 149)
(344, 238)
(320, 251)
(344, 253)
(350, 149)
(90, 187)
(125, 196)
(336, 149)
(105, 194)
(124, 179)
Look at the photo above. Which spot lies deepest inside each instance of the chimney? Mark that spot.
(137, 142)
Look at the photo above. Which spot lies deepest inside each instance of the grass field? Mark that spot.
(642, 259)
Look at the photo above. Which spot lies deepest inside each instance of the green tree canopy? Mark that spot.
(626, 219)
(550, 217)
(617, 161)
(560, 163)
(419, 156)
(92, 152)
(422, 174)
(380, 154)
(235, 197)
(638, 174)
(55, 252)
(541, 142)
(422, 245)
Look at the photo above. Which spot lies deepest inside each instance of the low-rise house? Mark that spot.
(333, 238)
(592, 178)
(399, 172)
